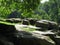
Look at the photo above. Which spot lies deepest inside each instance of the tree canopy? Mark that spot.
(24, 6)
(51, 9)
(31, 8)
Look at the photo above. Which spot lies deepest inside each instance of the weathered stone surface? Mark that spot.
(44, 40)
(2, 19)
(47, 25)
(14, 20)
(25, 22)
(56, 39)
(26, 38)
(44, 32)
(21, 27)
(32, 21)
(15, 37)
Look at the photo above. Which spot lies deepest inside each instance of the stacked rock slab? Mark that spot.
(12, 35)
(14, 20)
(47, 25)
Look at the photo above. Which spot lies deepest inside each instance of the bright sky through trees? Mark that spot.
(41, 1)
(44, 1)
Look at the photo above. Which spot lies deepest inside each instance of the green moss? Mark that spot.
(28, 29)
(7, 23)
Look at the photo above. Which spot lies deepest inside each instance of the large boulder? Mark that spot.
(16, 36)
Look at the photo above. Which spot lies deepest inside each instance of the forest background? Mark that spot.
(49, 10)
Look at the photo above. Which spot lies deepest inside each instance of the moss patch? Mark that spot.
(7, 23)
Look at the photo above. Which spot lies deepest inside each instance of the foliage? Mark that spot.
(51, 8)
(23, 6)
(31, 9)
